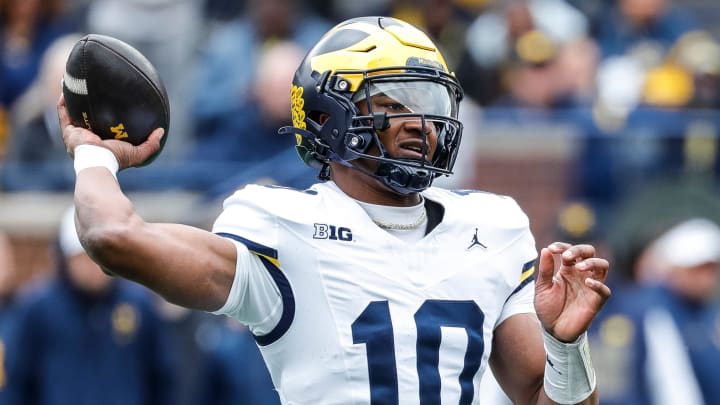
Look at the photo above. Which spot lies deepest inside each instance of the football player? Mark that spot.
(370, 287)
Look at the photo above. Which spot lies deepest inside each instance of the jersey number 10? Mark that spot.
(374, 328)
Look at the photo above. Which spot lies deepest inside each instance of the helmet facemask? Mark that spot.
(425, 96)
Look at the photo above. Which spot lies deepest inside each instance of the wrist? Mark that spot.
(569, 373)
(87, 156)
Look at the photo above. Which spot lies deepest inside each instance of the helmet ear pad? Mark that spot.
(332, 127)
(447, 143)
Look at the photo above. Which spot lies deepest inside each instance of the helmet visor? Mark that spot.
(413, 96)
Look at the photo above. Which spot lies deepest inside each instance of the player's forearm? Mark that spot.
(187, 266)
(103, 214)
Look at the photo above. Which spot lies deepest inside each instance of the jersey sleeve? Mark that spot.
(254, 298)
(522, 302)
(520, 267)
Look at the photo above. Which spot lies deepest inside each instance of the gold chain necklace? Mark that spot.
(403, 227)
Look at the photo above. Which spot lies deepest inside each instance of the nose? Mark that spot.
(419, 125)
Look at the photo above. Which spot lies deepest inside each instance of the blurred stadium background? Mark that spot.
(566, 101)
(601, 117)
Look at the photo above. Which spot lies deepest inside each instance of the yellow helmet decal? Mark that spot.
(297, 103)
(393, 45)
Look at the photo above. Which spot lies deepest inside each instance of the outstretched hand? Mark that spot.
(568, 296)
(126, 153)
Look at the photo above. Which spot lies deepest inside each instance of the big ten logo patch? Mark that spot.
(332, 232)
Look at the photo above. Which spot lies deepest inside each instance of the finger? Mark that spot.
(153, 141)
(577, 253)
(151, 145)
(595, 265)
(157, 135)
(546, 269)
(603, 290)
(63, 115)
(558, 247)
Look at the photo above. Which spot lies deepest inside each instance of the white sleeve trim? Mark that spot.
(521, 302)
(254, 298)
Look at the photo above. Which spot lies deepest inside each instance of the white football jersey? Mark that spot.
(346, 313)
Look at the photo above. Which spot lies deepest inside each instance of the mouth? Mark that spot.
(412, 150)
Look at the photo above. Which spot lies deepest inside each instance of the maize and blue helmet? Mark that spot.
(354, 61)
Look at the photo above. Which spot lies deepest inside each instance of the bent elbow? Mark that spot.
(106, 243)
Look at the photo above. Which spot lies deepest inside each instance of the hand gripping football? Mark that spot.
(113, 90)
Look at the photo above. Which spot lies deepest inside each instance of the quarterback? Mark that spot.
(372, 286)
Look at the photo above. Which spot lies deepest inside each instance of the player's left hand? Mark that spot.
(568, 296)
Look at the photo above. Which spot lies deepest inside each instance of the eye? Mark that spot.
(388, 104)
(394, 107)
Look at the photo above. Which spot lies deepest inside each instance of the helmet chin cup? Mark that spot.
(404, 179)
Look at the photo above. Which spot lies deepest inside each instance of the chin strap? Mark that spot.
(404, 179)
(400, 178)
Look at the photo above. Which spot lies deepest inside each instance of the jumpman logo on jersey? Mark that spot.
(475, 242)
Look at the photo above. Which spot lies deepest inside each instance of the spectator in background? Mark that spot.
(8, 286)
(682, 268)
(246, 140)
(28, 28)
(544, 75)
(634, 37)
(516, 33)
(249, 134)
(343, 9)
(695, 58)
(36, 158)
(652, 119)
(168, 33)
(629, 23)
(235, 373)
(660, 342)
(192, 334)
(443, 20)
(87, 338)
(227, 61)
(658, 338)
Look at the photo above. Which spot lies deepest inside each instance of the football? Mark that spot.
(113, 90)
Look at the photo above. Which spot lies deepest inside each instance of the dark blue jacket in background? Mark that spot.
(70, 348)
(234, 371)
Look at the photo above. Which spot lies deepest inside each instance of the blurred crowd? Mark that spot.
(634, 84)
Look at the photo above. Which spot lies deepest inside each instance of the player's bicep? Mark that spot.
(186, 265)
(518, 357)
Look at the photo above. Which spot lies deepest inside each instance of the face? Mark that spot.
(406, 137)
(643, 11)
(86, 275)
(411, 117)
(698, 283)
